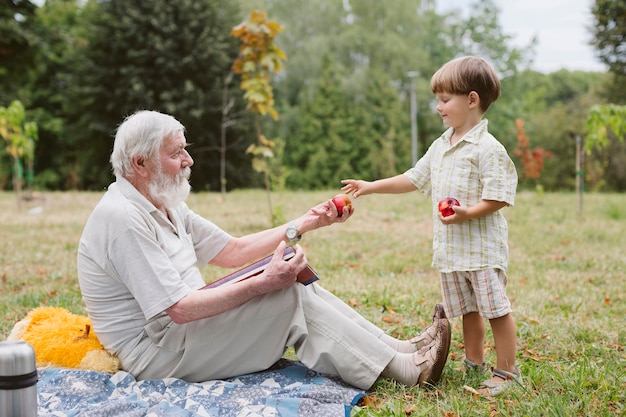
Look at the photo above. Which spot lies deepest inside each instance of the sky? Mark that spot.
(561, 28)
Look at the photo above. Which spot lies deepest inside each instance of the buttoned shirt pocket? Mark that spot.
(180, 251)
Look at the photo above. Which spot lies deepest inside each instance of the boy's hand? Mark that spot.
(356, 187)
(463, 214)
(459, 216)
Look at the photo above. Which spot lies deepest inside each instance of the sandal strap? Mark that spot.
(510, 380)
(506, 375)
(469, 364)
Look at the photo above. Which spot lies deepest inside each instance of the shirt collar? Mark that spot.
(130, 192)
(471, 136)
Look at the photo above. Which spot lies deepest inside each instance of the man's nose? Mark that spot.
(187, 160)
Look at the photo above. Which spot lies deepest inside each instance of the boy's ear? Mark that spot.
(474, 99)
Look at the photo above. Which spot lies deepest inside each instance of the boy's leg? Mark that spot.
(505, 373)
(504, 335)
(474, 337)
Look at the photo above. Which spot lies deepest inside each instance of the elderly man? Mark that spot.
(138, 268)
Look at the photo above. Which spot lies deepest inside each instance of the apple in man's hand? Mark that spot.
(340, 201)
(445, 206)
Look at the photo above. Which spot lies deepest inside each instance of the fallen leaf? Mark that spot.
(471, 390)
(390, 319)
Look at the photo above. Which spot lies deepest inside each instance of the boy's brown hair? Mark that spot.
(463, 75)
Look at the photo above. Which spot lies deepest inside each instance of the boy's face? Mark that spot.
(454, 109)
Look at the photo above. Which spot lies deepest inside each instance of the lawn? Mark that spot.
(567, 283)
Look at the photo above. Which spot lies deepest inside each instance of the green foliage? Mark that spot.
(603, 121)
(20, 136)
(609, 38)
(481, 34)
(330, 143)
(17, 46)
(159, 55)
(554, 107)
(62, 36)
(82, 67)
(606, 148)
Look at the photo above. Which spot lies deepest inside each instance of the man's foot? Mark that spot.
(432, 358)
(426, 337)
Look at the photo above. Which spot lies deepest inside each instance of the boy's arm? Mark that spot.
(481, 209)
(393, 185)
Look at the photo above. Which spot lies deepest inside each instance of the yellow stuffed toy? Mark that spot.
(63, 339)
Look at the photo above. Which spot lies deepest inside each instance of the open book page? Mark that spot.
(306, 276)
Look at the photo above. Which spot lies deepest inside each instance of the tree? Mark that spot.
(259, 58)
(17, 44)
(58, 25)
(370, 43)
(532, 159)
(603, 121)
(161, 55)
(609, 39)
(20, 136)
(331, 141)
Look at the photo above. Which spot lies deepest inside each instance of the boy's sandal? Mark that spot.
(510, 380)
(471, 366)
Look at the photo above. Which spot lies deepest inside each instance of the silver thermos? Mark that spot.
(18, 379)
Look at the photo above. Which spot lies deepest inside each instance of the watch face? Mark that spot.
(292, 232)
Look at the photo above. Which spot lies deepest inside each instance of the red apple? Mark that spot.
(340, 201)
(445, 206)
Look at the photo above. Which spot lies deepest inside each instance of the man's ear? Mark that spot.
(474, 99)
(139, 166)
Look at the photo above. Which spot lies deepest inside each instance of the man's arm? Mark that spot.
(209, 302)
(246, 249)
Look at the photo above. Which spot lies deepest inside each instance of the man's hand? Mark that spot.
(280, 273)
(323, 214)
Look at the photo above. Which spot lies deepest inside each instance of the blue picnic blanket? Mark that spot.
(288, 389)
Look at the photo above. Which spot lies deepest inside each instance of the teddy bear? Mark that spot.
(62, 339)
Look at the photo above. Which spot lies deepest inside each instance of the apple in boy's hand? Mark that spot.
(340, 201)
(445, 206)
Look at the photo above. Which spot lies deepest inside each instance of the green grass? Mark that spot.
(567, 284)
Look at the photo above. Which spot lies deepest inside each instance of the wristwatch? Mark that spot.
(292, 233)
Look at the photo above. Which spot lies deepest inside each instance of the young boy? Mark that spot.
(470, 246)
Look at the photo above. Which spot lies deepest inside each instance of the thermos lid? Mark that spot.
(16, 358)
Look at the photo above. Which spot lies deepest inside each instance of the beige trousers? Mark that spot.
(328, 336)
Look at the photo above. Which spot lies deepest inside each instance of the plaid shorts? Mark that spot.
(483, 291)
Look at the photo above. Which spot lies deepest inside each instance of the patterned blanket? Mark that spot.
(288, 389)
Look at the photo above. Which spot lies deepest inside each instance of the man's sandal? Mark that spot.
(510, 380)
(434, 355)
(427, 336)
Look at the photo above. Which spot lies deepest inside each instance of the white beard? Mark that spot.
(170, 191)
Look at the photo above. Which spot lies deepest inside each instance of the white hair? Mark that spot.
(141, 135)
